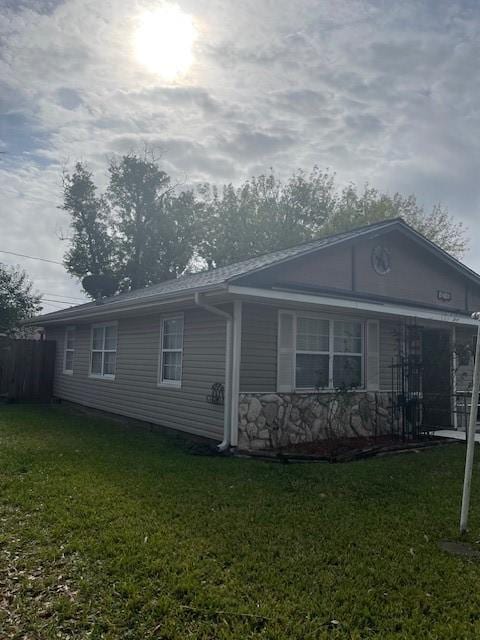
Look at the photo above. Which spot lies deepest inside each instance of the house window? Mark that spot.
(69, 350)
(171, 351)
(313, 353)
(347, 353)
(104, 351)
(329, 353)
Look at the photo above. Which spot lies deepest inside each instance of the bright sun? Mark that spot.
(164, 41)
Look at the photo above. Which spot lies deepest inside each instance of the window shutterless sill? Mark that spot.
(67, 373)
(95, 377)
(169, 385)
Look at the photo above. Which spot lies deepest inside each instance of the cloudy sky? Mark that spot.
(379, 91)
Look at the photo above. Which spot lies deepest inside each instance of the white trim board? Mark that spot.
(355, 305)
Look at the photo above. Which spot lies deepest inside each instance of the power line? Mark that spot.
(55, 306)
(64, 305)
(23, 255)
(49, 293)
(60, 295)
(58, 301)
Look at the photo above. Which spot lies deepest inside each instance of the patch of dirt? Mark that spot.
(463, 549)
(349, 449)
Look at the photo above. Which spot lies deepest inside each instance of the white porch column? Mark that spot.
(236, 358)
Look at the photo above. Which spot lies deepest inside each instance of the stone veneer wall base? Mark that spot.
(275, 421)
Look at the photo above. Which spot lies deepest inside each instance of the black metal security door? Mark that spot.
(436, 378)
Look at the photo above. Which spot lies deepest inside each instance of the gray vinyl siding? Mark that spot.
(134, 391)
(258, 370)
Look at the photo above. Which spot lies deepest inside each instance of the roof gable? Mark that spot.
(412, 275)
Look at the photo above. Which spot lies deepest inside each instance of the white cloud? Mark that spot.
(377, 91)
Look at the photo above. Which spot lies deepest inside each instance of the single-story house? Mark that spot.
(262, 353)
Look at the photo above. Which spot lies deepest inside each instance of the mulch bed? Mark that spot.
(350, 449)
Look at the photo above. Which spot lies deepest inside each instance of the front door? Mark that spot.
(436, 378)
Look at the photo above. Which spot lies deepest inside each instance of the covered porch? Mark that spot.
(412, 376)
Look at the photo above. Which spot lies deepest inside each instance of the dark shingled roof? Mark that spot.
(218, 278)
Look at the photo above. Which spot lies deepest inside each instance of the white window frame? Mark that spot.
(331, 351)
(68, 372)
(309, 352)
(360, 354)
(102, 376)
(175, 384)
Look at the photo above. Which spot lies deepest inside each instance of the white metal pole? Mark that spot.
(454, 377)
(472, 425)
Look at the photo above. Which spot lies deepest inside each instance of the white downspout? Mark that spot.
(236, 355)
(227, 409)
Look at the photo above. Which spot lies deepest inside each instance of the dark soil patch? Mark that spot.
(349, 449)
(463, 549)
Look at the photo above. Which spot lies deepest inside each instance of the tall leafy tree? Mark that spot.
(265, 214)
(153, 223)
(356, 207)
(178, 233)
(142, 230)
(91, 245)
(17, 300)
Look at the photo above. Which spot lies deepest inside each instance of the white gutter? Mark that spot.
(105, 309)
(227, 409)
(373, 307)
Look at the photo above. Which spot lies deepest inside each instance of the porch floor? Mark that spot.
(457, 435)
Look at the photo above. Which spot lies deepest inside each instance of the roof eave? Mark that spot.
(441, 253)
(379, 308)
(112, 308)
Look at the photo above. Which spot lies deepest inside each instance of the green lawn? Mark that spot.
(115, 532)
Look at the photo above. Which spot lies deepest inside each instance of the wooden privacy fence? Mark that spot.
(26, 369)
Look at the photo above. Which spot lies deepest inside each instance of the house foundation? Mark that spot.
(275, 421)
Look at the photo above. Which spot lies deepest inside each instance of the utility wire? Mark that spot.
(60, 295)
(58, 301)
(55, 306)
(23, 255)
(49, 293)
